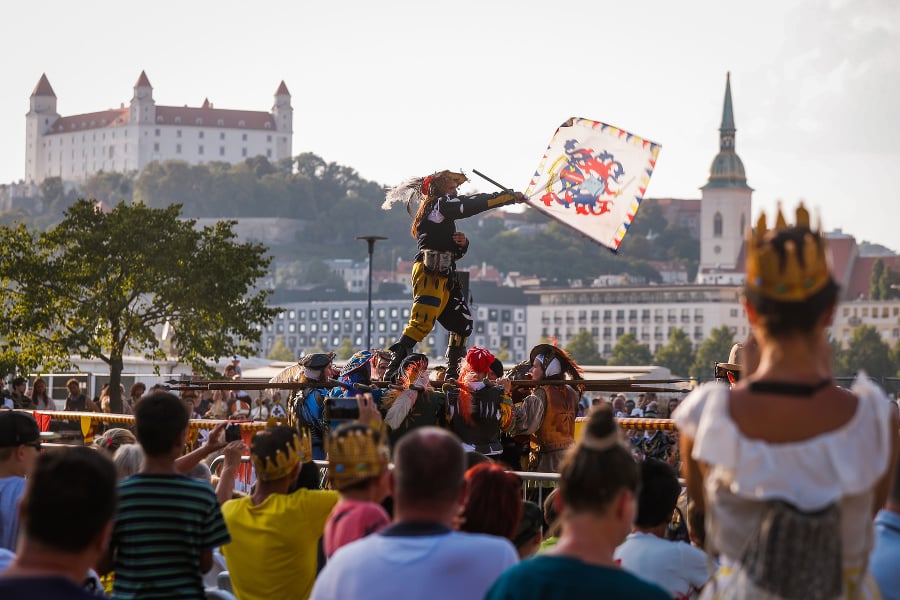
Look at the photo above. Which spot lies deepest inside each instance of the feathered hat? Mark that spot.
(416, 190)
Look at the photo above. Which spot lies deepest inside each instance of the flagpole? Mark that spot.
(489, 180)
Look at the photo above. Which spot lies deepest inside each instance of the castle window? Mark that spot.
(220, 122)
(717, 225)
(156, 147)
(200, 135)
(240, 124)
(743, 225)
(268, 125)
(200, 150)
(159, 119)
(269, 153)
(221, 135)
(178, 133)
(177, 148)
(198, 121)
(221, 150)
(243, 152)
(157, 132)
(243, 137)
(178, 119)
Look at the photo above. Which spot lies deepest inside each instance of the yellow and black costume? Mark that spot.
(437, 296)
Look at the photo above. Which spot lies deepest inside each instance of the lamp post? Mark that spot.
(370, 239)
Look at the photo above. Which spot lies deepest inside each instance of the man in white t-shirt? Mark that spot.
(420, 555)
(678, 567)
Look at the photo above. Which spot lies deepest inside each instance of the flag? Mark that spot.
(593, 177)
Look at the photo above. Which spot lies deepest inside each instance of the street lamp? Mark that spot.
(370, 239)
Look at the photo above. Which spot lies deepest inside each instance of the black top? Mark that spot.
(788, 388)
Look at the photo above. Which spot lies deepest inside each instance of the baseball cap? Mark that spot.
(17, 428)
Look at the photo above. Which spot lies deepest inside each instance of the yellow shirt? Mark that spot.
(273, 549)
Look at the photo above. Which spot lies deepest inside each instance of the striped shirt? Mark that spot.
(163, 525)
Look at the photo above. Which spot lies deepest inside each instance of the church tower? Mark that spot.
(41, 116)
(725, 201)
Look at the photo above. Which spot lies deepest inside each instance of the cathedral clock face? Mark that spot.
(717, 249)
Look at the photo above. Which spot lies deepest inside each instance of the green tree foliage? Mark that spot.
(677, 355)
(868, 352)
(628, 351)
(884, 282)
(346, 350)
(101, 285)
(280, 351)
(583, 349)
(715, 348)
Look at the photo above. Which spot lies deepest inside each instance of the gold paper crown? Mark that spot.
(796, 276)
(299, 449)
(355, 455)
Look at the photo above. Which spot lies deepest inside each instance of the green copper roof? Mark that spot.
(727, 170)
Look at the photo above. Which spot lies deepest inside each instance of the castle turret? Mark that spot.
(41, 116)
(726, 199)
(143, 107)
(283, 114)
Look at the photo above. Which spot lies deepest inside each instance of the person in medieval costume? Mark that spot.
(308, 404)
(437, 295)
(358, 370)
(479, 411)
(417, 403)
(548, 413)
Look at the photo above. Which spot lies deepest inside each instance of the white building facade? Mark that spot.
(130, 137)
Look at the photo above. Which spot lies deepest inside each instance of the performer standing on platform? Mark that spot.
(437, 295)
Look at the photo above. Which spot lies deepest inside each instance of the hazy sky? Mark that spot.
(400, 88)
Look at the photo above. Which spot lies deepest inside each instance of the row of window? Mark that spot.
(202, 150)
(219, 122)
(346, 313)
(607, 333)
(885, 311)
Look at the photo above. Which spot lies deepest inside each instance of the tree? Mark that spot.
(628, 351)
(876, 285)
(101, 285)
(583, 349)
(280, 351)
(677, 354)
(868, 352)
(346, 350)
(715, 348)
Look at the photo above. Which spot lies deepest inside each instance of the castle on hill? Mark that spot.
(129, 137)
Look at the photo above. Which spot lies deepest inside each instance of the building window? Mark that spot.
(717, 225)
(199, 149)
(220, 123)
(178, 133)
(200, 135)
(243, 137)
(178, 119)
(156, 147)
(269, 153)
(221, 133)
(157, 132)
(243, 152)
(268, 138)
(221, 150)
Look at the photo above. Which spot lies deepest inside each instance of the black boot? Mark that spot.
(455, 354)
(399, 351)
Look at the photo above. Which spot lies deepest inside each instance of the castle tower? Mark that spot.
(143, 107)
(41, 116)
(283, 114)
(725, 200)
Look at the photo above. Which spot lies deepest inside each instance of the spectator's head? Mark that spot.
(69, 503)
(629, 406)
(619, 404)
(40, 386)
(73, 386)
(789, 288)
(161, 422)
(278, 452)
(658, 495)
(128, 460)
(599, 477)
(113, 439)
(428, 475)
(551, 511)
(137, 390)
(358, 458)
(478, 362)
(494, 501)
(20, 442)
(530, 531)
(200, 472)
(229, 371)
(19, 384)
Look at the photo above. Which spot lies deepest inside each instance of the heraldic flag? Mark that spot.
(592, 178)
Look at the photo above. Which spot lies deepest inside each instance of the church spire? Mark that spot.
(727, 170)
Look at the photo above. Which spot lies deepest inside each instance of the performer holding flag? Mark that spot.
(437, 295)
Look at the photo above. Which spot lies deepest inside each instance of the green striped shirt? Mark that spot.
(163, 525)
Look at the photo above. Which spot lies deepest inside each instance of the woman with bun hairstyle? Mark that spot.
(597, 494)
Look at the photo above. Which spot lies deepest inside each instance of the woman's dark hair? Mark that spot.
(780, 317)
(494, 503)
(590, 478)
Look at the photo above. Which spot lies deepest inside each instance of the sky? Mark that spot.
(400, 88)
